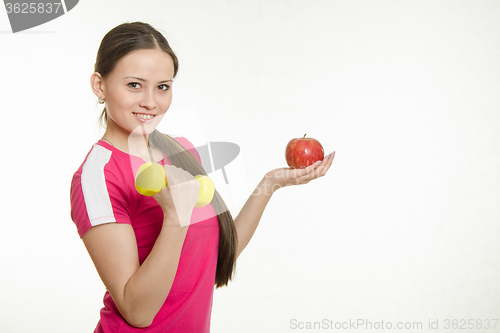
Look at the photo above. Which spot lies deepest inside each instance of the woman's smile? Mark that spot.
(144, 117)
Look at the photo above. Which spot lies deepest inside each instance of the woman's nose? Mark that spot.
(148, 100)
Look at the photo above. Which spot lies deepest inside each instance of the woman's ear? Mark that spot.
(97, 85)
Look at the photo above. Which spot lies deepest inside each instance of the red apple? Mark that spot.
(302, 152)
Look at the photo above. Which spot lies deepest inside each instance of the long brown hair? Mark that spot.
(116, 44)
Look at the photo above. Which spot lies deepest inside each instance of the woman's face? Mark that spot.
(139, 91)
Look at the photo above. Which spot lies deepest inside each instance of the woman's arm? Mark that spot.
(138, 291)
(249, 217)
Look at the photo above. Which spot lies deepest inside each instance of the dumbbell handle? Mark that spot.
(150, 179)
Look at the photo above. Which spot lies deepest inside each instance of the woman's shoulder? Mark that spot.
(102, 159)
(188, 145)
(183, 141)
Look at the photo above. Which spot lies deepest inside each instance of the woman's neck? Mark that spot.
(131, 143)
(136, 148)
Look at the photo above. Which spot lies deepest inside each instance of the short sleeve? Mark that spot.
(97, 196)
(189, 146)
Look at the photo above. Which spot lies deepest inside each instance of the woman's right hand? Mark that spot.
(179, 198)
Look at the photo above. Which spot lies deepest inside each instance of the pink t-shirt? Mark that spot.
(103, 191)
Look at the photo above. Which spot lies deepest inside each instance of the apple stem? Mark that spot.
(304, 136)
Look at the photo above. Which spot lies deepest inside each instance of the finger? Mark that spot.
(327, 159)
(307, 170)
(309, 173)
(176, 175)
(328, 162)
(322, 167)
(326, 166)
(315, 170)
(169, 174)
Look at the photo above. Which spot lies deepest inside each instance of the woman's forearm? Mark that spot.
(249, 217)
(148, 288)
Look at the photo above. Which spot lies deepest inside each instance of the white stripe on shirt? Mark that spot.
(95, 192)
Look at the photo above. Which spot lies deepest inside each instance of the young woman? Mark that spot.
(158, 260)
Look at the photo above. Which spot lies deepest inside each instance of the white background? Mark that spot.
(403, 228)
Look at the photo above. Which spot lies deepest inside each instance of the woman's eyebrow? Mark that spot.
(139, 79)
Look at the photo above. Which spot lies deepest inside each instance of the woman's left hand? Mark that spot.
(282, 177)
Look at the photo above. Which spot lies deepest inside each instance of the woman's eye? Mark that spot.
(164, 87)
(133, 84)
